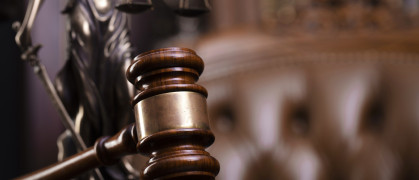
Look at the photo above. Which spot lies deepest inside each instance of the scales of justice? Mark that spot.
(92, 95)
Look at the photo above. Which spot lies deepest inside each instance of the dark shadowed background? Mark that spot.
(298, 89)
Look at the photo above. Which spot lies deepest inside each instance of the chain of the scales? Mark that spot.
(92, 84)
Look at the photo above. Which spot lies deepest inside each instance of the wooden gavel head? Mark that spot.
(171, 115)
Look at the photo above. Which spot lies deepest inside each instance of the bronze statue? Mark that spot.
(91, 92)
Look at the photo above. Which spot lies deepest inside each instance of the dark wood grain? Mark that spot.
(106, 151)
(177, 153)
(165, 70)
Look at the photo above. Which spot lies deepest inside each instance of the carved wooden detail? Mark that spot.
(176, 144)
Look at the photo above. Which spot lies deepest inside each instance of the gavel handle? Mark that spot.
(106, 151)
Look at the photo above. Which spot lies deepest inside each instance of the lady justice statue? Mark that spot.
(91, 91)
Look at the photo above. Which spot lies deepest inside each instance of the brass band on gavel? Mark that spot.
(171, 115)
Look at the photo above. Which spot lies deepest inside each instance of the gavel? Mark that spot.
(171, 127)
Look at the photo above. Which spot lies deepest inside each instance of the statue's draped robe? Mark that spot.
(92, 83)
